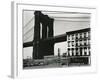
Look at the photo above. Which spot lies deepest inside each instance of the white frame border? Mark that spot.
(17, 69)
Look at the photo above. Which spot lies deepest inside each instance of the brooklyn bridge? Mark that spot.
(45, 45)
(44, 40)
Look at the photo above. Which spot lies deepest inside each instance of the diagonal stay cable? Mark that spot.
(28, 22)
(28, 37)
(29, 31)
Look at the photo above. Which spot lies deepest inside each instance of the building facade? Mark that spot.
(78, 46)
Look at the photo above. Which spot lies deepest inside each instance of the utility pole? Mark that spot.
(59, 59)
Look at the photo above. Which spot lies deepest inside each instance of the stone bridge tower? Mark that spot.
(41, 46)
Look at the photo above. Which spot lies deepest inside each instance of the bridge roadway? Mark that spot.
(55, 39)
